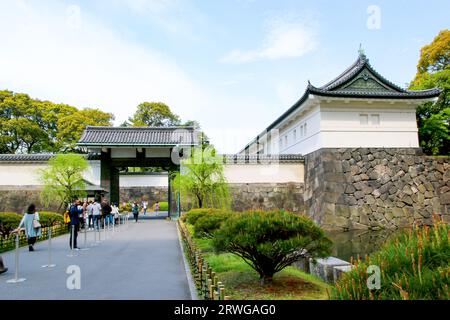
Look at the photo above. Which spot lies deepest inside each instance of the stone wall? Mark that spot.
(17, 199)
(267, 196)
(151, 194)
(376, 188)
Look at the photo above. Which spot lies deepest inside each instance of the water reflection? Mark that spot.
(359, 242)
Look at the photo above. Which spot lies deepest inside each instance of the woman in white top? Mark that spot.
(29, 226)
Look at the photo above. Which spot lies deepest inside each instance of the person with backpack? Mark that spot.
(74, 213)
(30, 222)
(135, 211)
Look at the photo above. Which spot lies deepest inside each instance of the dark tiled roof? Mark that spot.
(40, 157)
(281, 158)
(361, 69)
(137, 136)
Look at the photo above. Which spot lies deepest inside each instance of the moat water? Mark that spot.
(358, 243)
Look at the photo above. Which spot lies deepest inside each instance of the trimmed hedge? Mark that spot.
(163, 206)
(49, 219)
(8, 222)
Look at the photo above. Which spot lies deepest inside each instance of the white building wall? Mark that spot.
(28, 174)
(127, 181)
(260, 173)
(388, 125)
(341, 124)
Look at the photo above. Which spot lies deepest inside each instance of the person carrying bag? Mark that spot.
(30, 222)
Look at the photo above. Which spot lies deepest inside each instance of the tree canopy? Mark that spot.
(31, 126)
(154, 114)
(63, 179)
(202, 179)
(433, 71)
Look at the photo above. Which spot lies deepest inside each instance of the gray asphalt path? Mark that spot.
(139, 261)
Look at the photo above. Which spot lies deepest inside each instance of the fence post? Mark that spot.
(50, 264)
(72, 241)
(16, 272)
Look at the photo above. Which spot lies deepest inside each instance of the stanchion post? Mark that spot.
(16, 272)
(50, 264)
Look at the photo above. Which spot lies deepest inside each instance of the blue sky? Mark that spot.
(233, 65)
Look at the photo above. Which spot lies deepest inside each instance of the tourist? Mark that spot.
(157, 208)
(115, 212)
(90, 216)
(3, 269)
(74, 213)
(83, 214)
(96, 214)
(144, 206)
(135, 211)
(32, 228)
(106, 212)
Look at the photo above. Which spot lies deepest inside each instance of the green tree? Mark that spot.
(270, 241)
(71, 127)
(433, 71)
(154, 114)
(31, 126)
(202, 178)
(20, 129)
(63, 179)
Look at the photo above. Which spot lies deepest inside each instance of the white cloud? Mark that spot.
(88, 65)
(284, 38)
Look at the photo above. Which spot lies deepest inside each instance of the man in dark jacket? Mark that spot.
(106, 211)
(74, 213)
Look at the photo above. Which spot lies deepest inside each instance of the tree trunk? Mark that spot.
(200, 202)
(266, 279)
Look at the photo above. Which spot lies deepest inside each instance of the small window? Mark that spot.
(301, 130)
(286, 140)
(295, 134)
(375, 119)
(281, 142)
(305, 129)
(364, 119)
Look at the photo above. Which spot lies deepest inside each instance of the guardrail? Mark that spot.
(207, 283)
(8, 243)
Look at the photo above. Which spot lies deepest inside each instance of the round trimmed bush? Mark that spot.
(270, 241)
(208, 223)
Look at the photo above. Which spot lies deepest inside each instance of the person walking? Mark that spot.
(135, 211)
(74, 213)
(90, 216)
(96, 214)
(3, 269)
(115, 212)
(144, 206)
(157, 208)
(106, 211)
(30, 222)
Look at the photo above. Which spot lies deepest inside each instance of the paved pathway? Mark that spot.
(139, 261)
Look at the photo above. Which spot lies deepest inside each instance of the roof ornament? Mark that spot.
(361, 52)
